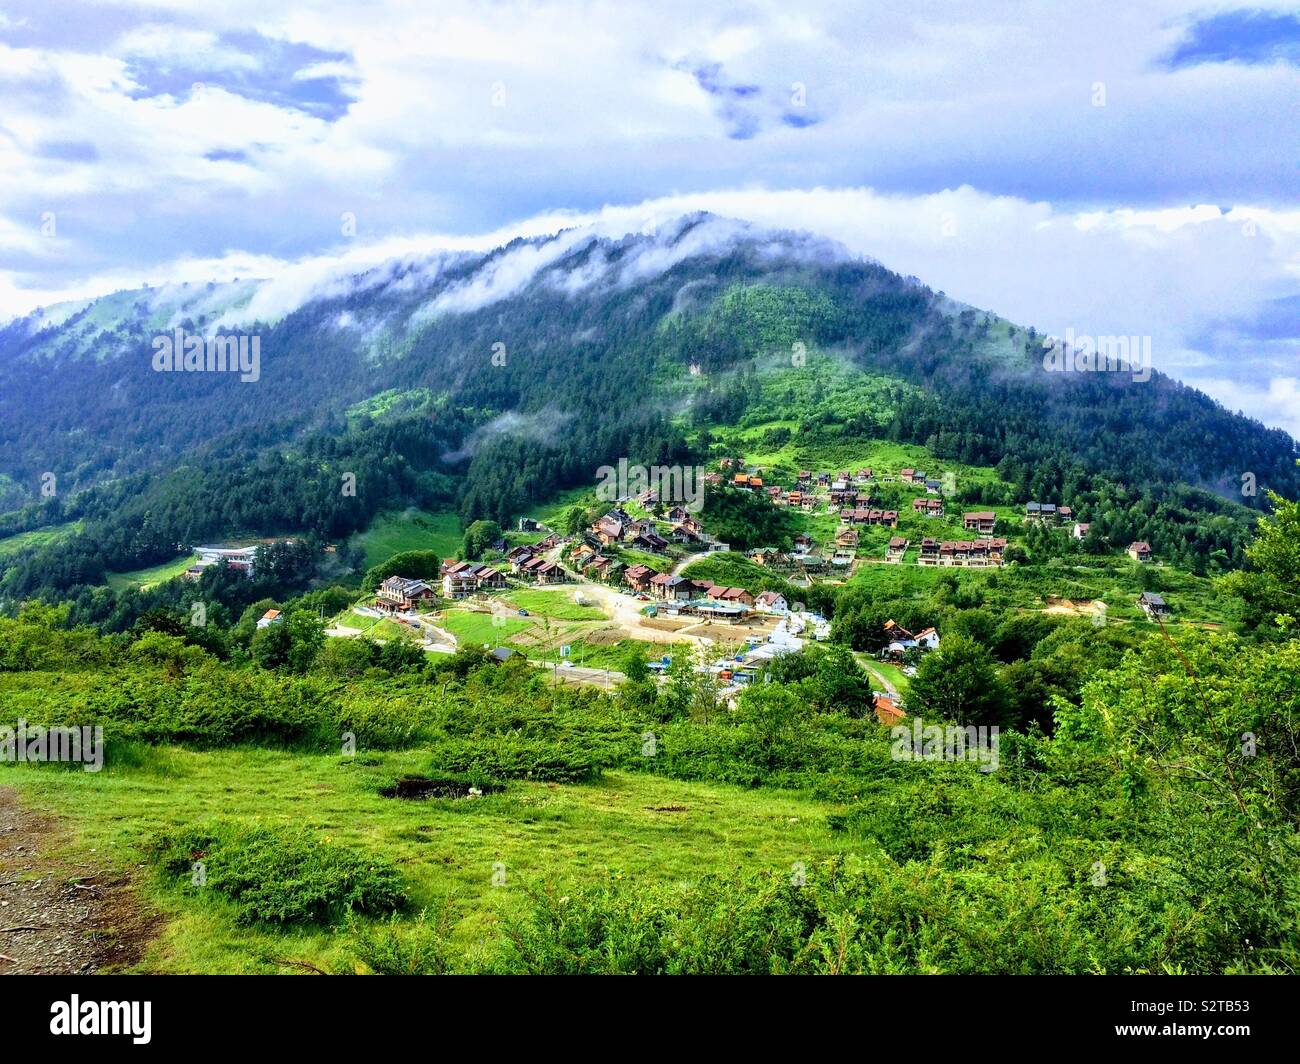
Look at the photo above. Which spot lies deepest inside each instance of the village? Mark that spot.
(631, 566)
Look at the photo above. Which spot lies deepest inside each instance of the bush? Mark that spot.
(278, 875)
(511, 756)
(391, 949)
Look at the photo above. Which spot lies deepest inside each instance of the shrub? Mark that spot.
(393, 949)
(573, 759)
(278, 875)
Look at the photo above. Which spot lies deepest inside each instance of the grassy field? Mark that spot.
(627, 826)
(37, 537)
(394, 532)
(557, 604)
(157, 574)
(892, 673)
(474, 628)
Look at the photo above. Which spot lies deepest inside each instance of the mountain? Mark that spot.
(487, 381)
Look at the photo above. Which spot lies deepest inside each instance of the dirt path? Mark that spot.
(59, 916)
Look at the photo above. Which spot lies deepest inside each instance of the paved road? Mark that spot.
(605, 678)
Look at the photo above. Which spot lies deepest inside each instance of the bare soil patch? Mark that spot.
(63, 915)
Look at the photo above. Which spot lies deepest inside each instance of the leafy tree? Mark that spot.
(1269, 592)
(959, 682)
(479, 537)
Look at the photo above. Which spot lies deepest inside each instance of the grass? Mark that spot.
(629, 826)
(473, 628)
(396, 531)
(157, 574)
(556, 604)
(892, 673)
(38, 537)
(613, 655)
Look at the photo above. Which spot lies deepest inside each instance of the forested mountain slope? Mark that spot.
(487, 381)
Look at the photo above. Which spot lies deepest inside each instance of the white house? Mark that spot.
(269, 618)
(771, 602)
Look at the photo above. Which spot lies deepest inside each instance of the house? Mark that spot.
(598, 566)
(1140, 551)
(862, 476)
(638, 577)
(527, 524)
(677, 588)
(763, 556)
(518, 559)
(979, 521)
(772, 602)
(811, 562)
(679, 515)
(461, 578)
(898, 639)
(237, 559)
(805, 475)
(501, 654)
(1047, 512)
(803, 542)
(847, 537)
(457, 585)
(658, 585)
(609, 529)
(1080, 530)
(933, 487)
(399, 594)
(269, 618)
(887, 711)
(927, 639)
(735, 596)
(1153, 605)
(927, 507)
(906, 475)
(544, 572)
(896, 549)
(520, 554)
(651, 541)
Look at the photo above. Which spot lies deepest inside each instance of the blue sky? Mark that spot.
(1108, 168)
